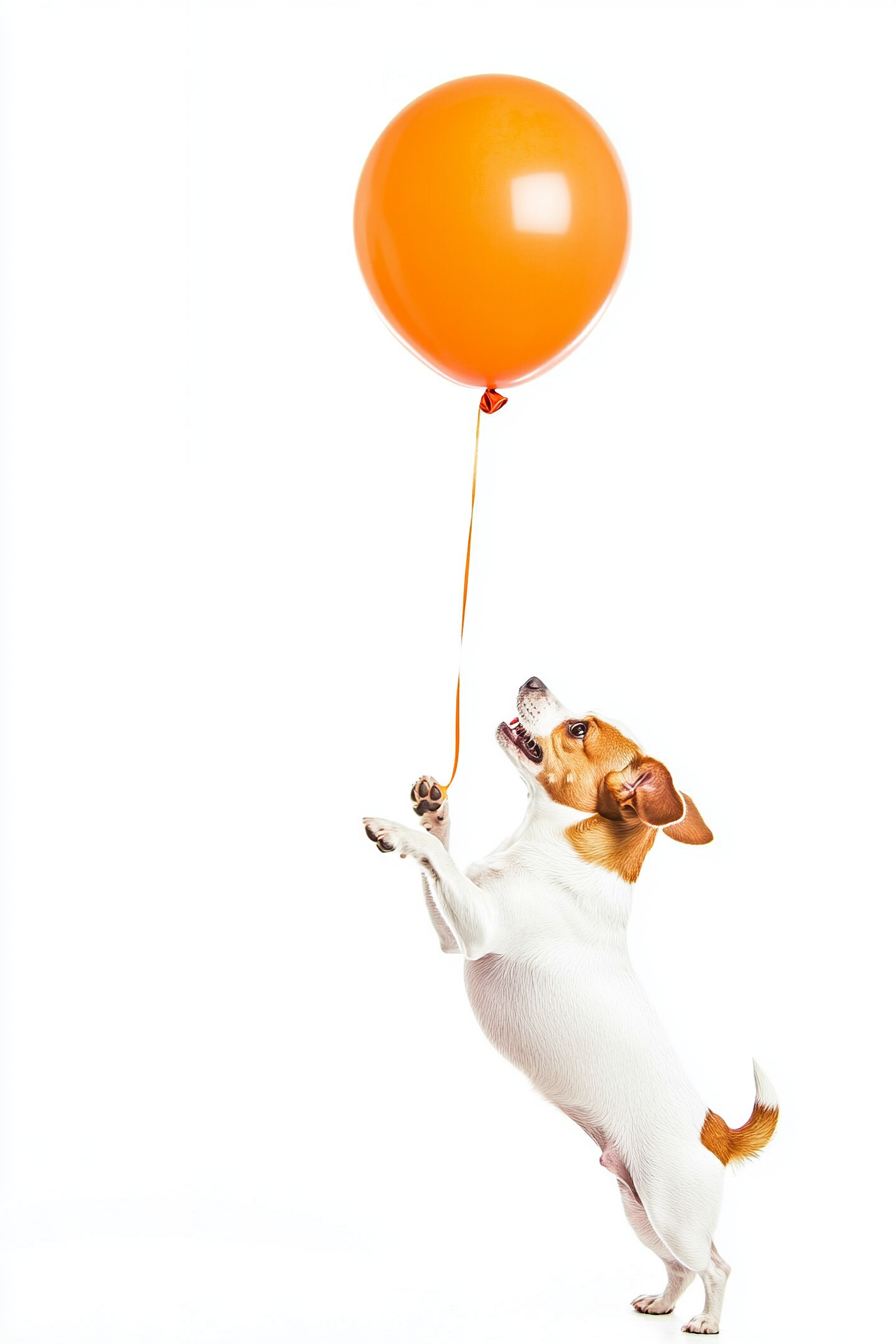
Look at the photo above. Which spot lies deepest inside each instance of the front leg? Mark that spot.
(465, 907)
(431, 806)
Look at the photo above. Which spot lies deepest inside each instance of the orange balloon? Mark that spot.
(491, 224)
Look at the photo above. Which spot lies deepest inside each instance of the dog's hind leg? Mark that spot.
(682, 1204)
(431, 806)
(678, 1276)
(714, 1277)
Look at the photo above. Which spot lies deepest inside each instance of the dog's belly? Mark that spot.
(584, 1032)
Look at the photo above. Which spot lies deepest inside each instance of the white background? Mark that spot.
(245, 1101)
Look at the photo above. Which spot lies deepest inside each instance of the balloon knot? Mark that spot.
(491, 401)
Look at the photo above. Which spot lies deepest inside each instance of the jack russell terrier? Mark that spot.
(542, 923)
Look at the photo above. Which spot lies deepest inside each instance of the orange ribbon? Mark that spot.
(491, 401)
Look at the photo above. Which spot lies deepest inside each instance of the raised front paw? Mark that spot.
(431, 804)
(391, 835)
(384, 834)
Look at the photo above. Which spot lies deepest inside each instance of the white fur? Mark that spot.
(550, 981)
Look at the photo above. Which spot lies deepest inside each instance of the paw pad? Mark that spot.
(427, 796)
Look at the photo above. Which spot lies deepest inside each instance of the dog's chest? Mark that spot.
(548, 898)
(560, 999)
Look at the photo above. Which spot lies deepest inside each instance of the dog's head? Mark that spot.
(591, 765)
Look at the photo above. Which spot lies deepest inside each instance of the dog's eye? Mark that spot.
(577, 729)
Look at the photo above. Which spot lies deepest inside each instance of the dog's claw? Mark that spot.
(377, 837)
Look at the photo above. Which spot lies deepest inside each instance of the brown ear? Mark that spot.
(692, 829)
(643, 790)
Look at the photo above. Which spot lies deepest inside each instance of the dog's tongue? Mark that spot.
(514, 722)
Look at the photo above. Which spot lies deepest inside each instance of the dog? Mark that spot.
(541, 923)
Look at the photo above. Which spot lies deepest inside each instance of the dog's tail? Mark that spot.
(735, 1145)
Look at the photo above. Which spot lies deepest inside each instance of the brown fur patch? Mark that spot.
(574, 767)
(627, 795)
(620, 846)
(734, 1145)
(644, 789)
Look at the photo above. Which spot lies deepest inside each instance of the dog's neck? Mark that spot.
(617, 846)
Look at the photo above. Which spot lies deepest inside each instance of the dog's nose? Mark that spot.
(534, 684)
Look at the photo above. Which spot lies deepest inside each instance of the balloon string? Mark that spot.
(463, 613)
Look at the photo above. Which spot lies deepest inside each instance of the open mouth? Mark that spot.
(515, 732)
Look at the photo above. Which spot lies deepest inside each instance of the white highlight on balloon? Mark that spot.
(541, 203)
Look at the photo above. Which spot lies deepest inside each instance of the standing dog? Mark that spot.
(542, 925)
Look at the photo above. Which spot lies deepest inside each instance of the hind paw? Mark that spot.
(653, 1306)
(701, 1325)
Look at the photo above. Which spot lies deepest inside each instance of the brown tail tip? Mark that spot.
(736, 1145)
